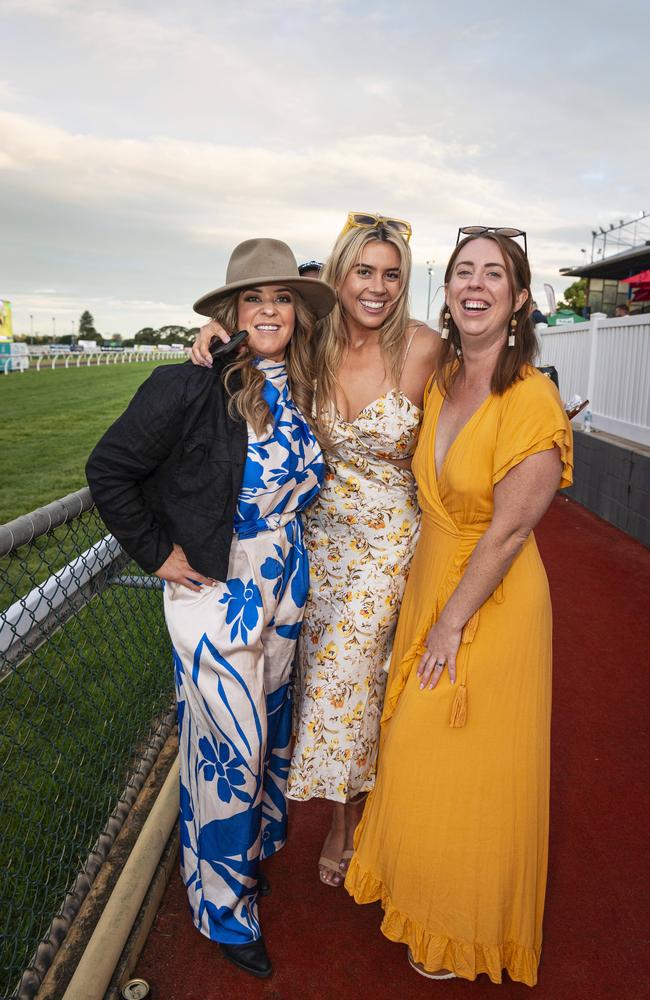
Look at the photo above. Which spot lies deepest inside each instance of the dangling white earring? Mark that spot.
(445, 326)
(513, 327)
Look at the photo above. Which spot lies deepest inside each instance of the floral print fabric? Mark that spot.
(234, 645)
(360, 534)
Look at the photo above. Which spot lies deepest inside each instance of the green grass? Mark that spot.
(73, 713)
(49, 423)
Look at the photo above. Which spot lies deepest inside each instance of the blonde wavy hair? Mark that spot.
(246, 398)
(332, 340)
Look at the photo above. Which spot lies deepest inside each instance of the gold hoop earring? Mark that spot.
(444, 335)
(513, 328)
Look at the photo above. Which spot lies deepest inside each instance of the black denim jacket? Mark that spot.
(170, 469)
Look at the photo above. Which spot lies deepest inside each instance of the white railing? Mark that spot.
(78, 359)
(14, 363)
(608, 362)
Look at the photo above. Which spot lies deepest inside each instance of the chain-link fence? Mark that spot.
(85, 700)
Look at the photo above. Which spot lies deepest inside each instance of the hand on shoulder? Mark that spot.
(200, 354)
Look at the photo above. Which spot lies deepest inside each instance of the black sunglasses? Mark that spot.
(498, 230)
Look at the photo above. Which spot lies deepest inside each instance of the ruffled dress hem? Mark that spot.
(467, 959)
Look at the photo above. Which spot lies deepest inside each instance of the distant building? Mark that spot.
(618, 278)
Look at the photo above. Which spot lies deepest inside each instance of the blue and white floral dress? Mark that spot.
(234, 646)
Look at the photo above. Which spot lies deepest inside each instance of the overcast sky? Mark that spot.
(140, 141)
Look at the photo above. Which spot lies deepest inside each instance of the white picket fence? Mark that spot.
(608, 362)
(78, 359)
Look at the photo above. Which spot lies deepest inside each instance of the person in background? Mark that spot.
(310, 269)
(537, 315)
(202, 481)
(621, 310)
(454, 837)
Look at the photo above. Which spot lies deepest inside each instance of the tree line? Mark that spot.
(171, 334)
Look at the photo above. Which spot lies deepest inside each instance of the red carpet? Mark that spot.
(325, 947)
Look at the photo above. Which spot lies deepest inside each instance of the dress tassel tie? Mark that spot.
(458, 716)
(459, 708)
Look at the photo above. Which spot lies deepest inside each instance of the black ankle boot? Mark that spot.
(251, 957)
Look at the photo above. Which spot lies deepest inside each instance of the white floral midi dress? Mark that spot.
(360, 534)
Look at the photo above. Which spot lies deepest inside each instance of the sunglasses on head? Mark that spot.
(362, 220)
(498, 230)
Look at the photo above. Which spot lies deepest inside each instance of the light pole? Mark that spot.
(430, 264)
(54, 327)
(31, 325)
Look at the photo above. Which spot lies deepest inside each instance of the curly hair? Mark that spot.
(247, 401)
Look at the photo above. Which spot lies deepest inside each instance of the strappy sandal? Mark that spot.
(346, 858)
(330, 866)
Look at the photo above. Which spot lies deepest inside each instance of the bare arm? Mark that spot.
(520, 500)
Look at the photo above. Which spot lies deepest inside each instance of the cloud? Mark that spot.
(178, 201)
(140, 142)
(118, 172)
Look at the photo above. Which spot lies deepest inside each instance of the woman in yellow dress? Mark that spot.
(453, 840)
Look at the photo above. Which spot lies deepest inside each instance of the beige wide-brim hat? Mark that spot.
(268, 262)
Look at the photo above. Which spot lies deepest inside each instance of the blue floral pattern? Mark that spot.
(244, 605)
(234, 646)
(223, 764)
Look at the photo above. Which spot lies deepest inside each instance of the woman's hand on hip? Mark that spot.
(442, 644)
(200, 354)
(176, 569)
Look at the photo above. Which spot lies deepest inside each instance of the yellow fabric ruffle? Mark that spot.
(562, 438)
(467, 959)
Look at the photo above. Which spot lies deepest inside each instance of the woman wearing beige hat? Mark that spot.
(202, 480)
(373, 362)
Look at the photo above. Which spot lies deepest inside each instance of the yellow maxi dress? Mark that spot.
(454, 837)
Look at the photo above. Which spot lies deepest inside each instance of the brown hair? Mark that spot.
(247, 401)
(512, 360)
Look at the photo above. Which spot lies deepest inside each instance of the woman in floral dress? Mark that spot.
(373, 362)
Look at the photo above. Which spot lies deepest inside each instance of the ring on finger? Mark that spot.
(439, 663)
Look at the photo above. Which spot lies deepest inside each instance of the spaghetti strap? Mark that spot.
(408, 347)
